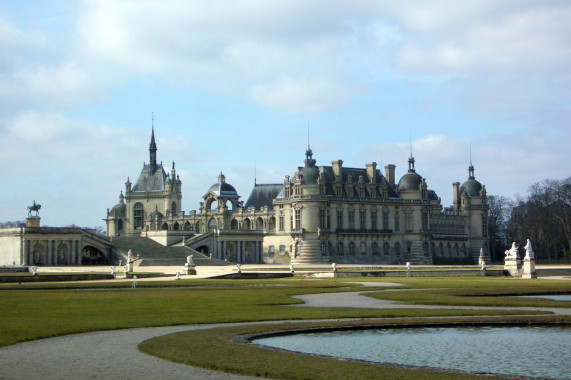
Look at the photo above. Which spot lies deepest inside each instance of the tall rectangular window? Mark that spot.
(373, 220)
(298, 220)
(281, 222)
(408, 221)
(322, 219)
(351, 219)
(339, 218)
(397, 221)
(425, 221)
(362, 220)
(385, 220)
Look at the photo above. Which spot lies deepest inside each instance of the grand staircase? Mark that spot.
(152, 253)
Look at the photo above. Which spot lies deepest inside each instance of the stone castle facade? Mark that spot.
(321, 214)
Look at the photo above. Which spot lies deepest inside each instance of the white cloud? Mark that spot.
(506, 163)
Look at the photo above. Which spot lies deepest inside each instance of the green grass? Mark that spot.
(219, 349)
(40, 310)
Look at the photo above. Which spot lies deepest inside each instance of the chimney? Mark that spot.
(338, 169)
(390, 173)
(456, 195)
(372, 172)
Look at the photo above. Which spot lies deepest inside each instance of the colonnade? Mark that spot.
(222, 252)
(52, 251)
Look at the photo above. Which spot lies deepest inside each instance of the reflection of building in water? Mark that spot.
(320, 214)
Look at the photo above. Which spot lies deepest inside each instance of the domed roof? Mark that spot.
(411, 180)
(309, 175)
(120, 208)
(472, 186)
(221, 188)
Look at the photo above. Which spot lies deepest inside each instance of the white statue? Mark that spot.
(238, 268)
(134, 284)
(112, 270)
(334, 267)
(34, 271)
(529, 251)
(512, 252)
(129, 256)
(177, 275)
(408, 265)
(189, 260)
(291, 268)
(483, 265)
(482, 252)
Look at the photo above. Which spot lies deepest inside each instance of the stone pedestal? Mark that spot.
(189, 269)
(529, 269)
(512, 266)
(129, 267)
(33, 221)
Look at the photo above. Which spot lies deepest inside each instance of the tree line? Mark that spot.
(543, 216)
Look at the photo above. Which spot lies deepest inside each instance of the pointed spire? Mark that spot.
(153, 147)
(471, 167)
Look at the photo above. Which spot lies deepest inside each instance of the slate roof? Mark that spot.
(263, 195)
(149, 181)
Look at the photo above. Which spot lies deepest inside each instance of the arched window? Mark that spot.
(234, 224)
(198, 227)
(212, 224)
(120, 225)
(463, 249)
(440, 249)
(165, 226)
(272, 225)
(363, 248)
(397, 248)
(456, 252)
(375, 248)
(351, 248)
(246, 225)
(173, 208)
(138, 216)
(386, 248)
(187, 226)
(176, 226)
(448, 249)
(340, 248)
(259, 224)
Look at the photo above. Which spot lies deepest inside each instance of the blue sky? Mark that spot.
(233, 85)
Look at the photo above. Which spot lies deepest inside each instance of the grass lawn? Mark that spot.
(213, 349)
(39, 310)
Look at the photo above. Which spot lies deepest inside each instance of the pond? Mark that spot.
(537, 351)
(554, 297)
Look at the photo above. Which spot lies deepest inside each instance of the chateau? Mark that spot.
(320, 214)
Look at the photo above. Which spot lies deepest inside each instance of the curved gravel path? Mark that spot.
(99, 355)
(114, 354)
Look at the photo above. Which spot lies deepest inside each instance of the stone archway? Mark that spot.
(92, 256)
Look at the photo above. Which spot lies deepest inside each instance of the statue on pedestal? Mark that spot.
(529, 255)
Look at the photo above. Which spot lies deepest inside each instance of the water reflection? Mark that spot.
(526, 351)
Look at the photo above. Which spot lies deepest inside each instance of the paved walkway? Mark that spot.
(114, 354)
